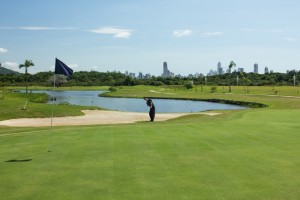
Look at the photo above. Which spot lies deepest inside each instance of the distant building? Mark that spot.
(140, 75)
(196, 75)
(165, 69)
(255, 68)
(132, 75)
(166, 72)
(147, 76)
(266, 70)
(240, 70)
(190, 76)
(220, 69)
(201, 75)
(212, 73)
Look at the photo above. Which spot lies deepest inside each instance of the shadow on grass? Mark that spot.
(24, 158)
(19, 160)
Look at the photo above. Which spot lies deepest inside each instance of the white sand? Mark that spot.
(92, 117)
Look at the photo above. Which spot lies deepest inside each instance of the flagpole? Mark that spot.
(53, 99)
(60, 68)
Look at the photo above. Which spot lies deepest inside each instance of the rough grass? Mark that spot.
(14, 106)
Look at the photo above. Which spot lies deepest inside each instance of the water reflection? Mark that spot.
(91, 98)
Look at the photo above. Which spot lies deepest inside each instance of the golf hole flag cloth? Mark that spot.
(62, 68)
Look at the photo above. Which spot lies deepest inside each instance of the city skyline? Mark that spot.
(192, 36)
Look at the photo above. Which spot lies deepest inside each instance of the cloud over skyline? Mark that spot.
(115, 32)
(2, 50)
(182, 33)
(11, 65)
(213, 33)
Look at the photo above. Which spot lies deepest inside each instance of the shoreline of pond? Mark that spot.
(213, 100)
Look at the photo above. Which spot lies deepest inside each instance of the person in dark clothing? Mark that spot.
(152, 108)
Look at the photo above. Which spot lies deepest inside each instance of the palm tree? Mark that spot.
(27, 64)
(231, 65)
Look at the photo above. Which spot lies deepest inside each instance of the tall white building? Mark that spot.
(255, 68)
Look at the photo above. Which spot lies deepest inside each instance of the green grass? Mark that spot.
(245, 154)
(249, 155)
(13, 104)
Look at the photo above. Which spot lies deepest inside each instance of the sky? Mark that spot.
(192, 36)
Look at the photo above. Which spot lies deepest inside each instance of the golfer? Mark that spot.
(152, 108)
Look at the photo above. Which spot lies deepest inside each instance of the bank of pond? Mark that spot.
(163, 105)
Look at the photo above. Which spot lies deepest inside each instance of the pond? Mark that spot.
(91, 98)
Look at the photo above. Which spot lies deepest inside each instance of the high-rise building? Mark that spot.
(220, 69)
(240, 69)
(212, 73)
(255, 68)
(266, 70)
(140, 75)
(166, 71)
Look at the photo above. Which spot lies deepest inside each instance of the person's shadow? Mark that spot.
(19, 160)
(24, 158)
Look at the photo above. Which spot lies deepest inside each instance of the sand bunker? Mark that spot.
(92, 117)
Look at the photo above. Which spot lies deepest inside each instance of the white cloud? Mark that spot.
(213, 33)
(11, 65)
(277, 31)
(181, 33)
(39, 28)
(35, 28)
(73, 66)
(43, 28)
(94, 68)
(247, 29)
(2, 50)
(292, 39)
(116, 32)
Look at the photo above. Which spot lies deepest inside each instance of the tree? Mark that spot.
(231, 65)
(28, 63)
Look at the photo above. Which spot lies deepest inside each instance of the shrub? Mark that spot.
(189, 85)
(112, 89)
(213, 89)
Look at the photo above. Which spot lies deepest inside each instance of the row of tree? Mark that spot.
(94, 78)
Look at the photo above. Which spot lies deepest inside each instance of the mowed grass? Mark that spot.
(253, 154)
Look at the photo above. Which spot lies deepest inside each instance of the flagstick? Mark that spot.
(50, 145)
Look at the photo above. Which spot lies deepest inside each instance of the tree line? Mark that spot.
(94, 78)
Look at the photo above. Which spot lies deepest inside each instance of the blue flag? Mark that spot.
(62, 68)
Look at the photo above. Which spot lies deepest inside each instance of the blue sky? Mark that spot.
(138, 36)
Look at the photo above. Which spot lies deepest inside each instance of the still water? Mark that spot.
(91, 98)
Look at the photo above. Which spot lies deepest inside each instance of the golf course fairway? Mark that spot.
(246, 154)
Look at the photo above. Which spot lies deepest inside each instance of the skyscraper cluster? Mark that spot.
(220, 70)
